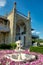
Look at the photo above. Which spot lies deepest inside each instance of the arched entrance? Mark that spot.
(21, 32)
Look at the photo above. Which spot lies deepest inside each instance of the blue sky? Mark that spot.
(34, 6)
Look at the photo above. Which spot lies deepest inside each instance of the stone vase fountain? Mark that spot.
(19, 56)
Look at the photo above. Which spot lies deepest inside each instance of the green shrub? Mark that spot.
(36, 49)
(13, 45)
(5, 46)
(8, 46)
(41, 46)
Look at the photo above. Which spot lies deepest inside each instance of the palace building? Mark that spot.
(14, 27)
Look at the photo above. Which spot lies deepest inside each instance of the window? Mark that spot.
(1, 22)
(19, 38)
(5, 22)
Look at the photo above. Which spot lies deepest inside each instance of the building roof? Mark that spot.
(4, 18)
(32, 29)
(35, 36)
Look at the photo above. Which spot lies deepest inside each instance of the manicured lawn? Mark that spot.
(37, 49)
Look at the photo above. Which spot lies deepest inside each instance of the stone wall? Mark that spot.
(10, 18)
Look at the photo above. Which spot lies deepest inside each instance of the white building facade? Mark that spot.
(19, 28)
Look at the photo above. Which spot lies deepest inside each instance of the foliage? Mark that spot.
(37, 49)
(13, 45)
(5, 46)
(38, 40)
(41, 46)
(41, 40)
(35, 40)
(8, 46)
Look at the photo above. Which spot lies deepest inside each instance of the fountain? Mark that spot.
(19, 56)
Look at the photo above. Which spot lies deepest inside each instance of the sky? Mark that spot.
(34, 6)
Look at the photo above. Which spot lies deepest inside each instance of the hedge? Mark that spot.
(41, 46)
(36, 49)
(13, 45)
(8, 46)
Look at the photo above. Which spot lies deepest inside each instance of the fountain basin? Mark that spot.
(20, 57)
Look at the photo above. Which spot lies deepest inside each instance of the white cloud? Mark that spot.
(33, 31)
(2, 3)
(37, 32)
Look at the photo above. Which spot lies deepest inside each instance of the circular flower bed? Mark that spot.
(6, 61)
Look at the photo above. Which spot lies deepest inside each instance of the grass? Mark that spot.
(37, 49)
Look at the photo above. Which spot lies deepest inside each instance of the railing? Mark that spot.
(21, 14)
(3, 28)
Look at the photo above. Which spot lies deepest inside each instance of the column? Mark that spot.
(14, 23)
(28, 32)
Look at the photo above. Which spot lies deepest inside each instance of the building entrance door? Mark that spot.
(22, 40)
(0, 38)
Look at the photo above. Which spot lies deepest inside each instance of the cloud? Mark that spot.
(2, 3)
(37, 32)
(33, 31)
